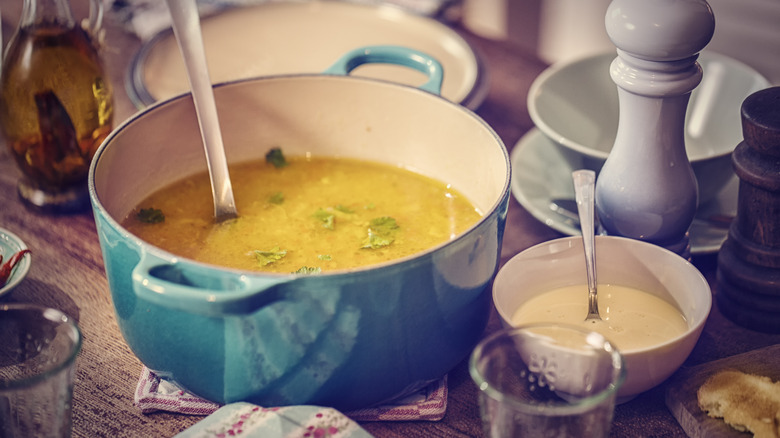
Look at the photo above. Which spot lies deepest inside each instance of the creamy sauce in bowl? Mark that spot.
(631, 319)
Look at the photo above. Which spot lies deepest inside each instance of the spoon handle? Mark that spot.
(186, 27)
(584, 189)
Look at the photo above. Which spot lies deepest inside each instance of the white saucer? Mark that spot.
(279, 38)
(540, 174)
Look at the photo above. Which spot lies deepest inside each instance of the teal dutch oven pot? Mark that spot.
(347, 339)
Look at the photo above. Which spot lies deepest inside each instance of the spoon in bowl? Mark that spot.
(186, 27)
(584, 191)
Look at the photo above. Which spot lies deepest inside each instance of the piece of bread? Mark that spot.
(746, 402)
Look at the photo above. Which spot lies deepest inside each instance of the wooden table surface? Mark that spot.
(67, 273)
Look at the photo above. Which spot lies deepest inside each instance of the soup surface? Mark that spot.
(631, 319)
(305, 214)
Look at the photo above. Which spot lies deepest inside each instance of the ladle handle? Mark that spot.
(186, 27)
(585, 188)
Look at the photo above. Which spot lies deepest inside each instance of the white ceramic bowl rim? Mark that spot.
(487, 215)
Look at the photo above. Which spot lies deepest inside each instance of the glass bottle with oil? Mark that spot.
(56, 104)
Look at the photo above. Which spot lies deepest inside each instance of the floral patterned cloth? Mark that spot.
(251, 421)
(156, 394)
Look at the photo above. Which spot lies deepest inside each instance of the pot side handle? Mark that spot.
(203, 291)
(392, 55)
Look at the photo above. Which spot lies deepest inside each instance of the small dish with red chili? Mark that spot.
(15, 261)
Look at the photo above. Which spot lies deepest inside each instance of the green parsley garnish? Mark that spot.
(325, 257)
(268, 257)
(327, 218)
(344, 209)
(381, 232)
(276, 157)
(276, 198)
(306, 270)
(150, 215)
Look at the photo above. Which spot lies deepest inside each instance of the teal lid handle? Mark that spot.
(398, 55)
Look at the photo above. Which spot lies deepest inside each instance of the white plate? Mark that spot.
(540, 174)
(307, 37)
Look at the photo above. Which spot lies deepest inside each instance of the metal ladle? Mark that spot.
(186, 27)
(584, 192)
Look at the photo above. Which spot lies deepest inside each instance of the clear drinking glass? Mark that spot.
(38, 349)
(546, 380)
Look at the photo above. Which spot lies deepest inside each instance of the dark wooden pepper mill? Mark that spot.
(748, 272)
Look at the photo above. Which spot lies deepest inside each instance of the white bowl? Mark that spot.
(624, 262)
(575, 104)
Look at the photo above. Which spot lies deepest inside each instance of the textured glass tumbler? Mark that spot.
(546, 381)
(38, 349)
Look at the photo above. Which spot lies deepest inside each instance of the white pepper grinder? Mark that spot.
(646, 189)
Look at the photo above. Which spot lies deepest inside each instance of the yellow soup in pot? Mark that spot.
(305, 214)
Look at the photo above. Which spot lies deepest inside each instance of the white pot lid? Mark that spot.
(276, 38)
